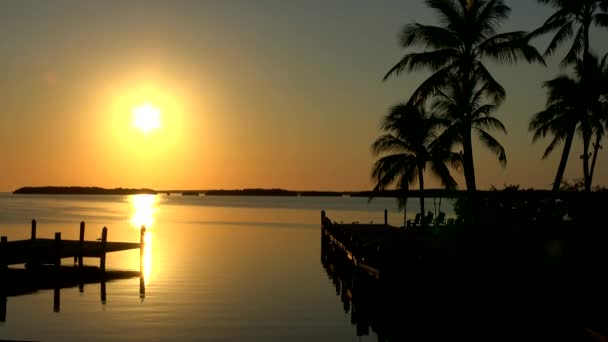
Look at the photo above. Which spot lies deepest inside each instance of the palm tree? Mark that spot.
(560, 118)
(573, 106)
(598, 79)
(579, 16)
(569, 15)
(449, 102)
(457, 50)
(408, 146)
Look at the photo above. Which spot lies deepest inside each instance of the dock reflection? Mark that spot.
(22, 281)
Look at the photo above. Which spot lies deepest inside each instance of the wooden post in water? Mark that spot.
(56, 299)
(3, 244)
(33, 236)
(2, 307)
(81, 242)
(103, 289)
(57, 249)
(104, 244)
(322, 218)
(385, 217)
(141, 248)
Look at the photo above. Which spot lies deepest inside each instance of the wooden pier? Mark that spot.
(382, 250)
(41, 251)
(43, 269)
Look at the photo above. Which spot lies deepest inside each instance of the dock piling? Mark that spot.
(58, 249)
(3, 244)
(104, 243)
(2, 308)
(81, 241)
(103, 290)
(142, 239)
(56, 299)
(33, 236)
(385, 217)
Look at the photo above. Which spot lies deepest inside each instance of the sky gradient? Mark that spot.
(263, 93)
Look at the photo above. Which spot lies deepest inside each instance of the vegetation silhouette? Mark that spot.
(568, 16)
(455, 54)
(408, 146)
(515, 289)
(572, 106)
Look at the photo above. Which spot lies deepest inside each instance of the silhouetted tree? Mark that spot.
(456, 50)
(408, 146)
(572, 107)
(575, 16)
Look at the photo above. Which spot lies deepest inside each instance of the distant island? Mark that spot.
(79, 190)
(429, 193)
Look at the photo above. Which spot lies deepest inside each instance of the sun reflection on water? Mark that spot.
(144, 208)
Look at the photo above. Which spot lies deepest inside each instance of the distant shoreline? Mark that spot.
(78, 190)
(428, 193)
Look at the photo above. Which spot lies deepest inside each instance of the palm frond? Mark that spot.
(564, 33)
(440, 170)
(489, 123)
(491, 87)
(427, 35)
(388, 169)
(554, 143)
(510, 48)
(575, 50)
(493, 145)
(490, 15)
(388, 143)
(431, 60)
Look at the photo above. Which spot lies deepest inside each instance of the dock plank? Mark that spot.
(46, 250)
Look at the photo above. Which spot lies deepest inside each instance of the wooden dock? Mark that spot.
(51, 251)
(382, 250)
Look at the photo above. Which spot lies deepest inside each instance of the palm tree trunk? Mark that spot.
(469, 168)
(587, 178)
(421, 182)
(596, 148)
(562, 163)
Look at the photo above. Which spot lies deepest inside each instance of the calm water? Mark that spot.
(215, 268)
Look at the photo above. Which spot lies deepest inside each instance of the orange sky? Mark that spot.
(276, 94)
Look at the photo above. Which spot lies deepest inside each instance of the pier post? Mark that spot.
(104, 243)
(142, 287)
(385, 217)
(2, 308)
(322, 218)
(57, 249)
(142, 239)
(3, 244)
(33, 236)
(103, 289)
(81, 242)
(56, 299)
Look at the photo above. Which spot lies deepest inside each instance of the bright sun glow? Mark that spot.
(146, 117)
(143, 211)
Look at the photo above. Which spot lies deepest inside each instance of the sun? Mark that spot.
(146, 118)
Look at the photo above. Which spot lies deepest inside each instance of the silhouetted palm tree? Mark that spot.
(599, 84)
(571, 106)
(408, 146)
(575, 16)
(571, 16)
(456, 50)
(449, 102)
